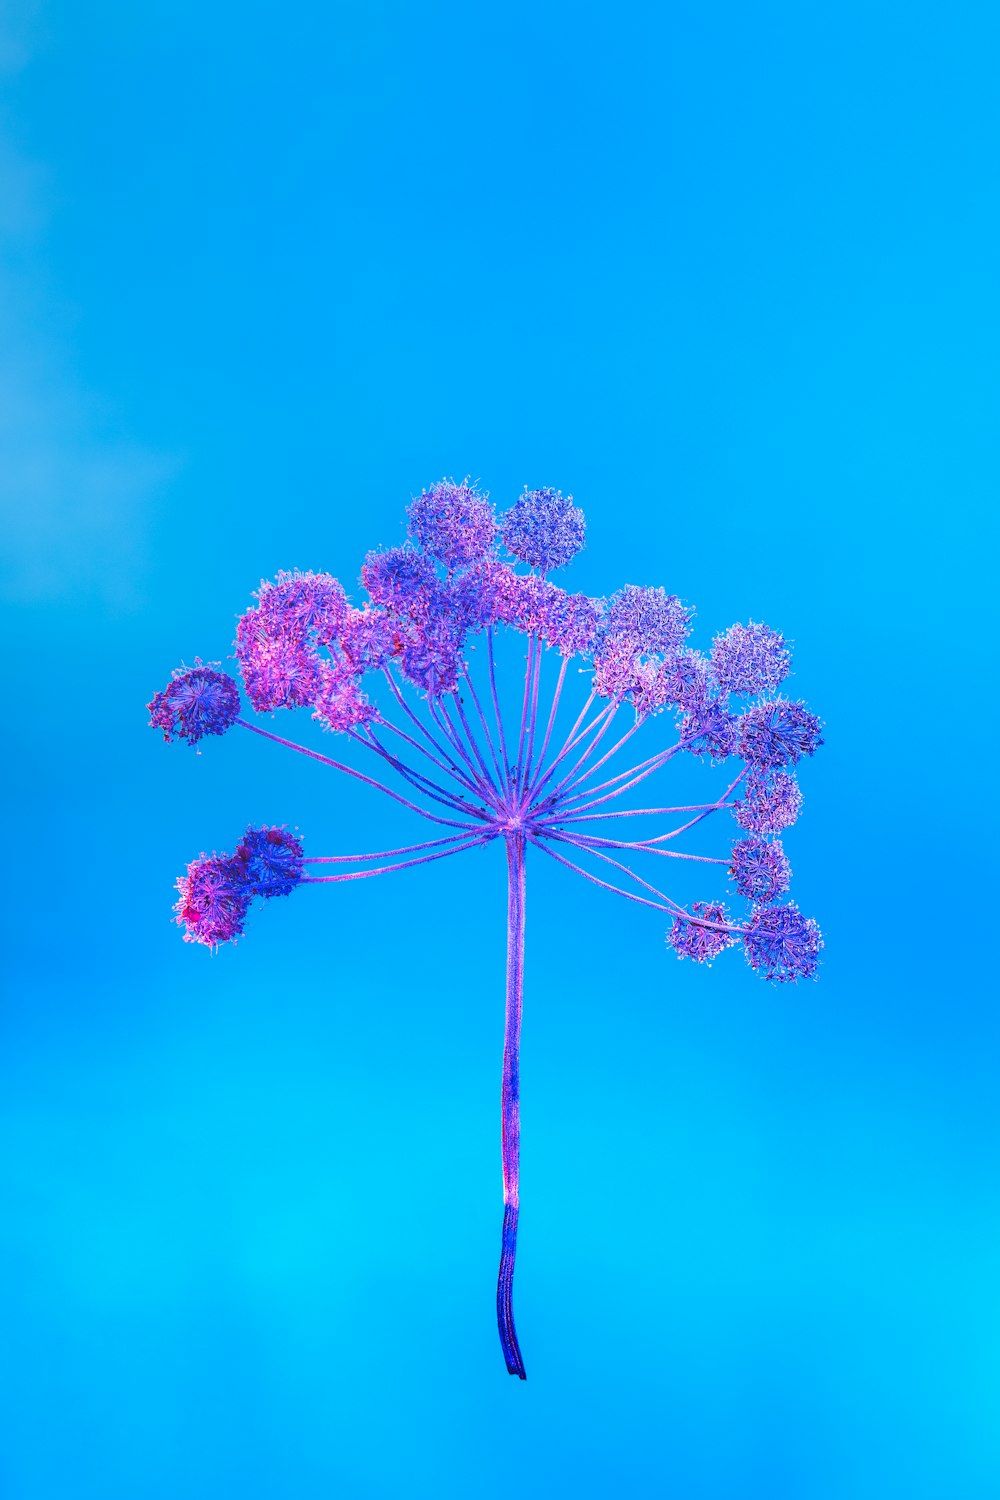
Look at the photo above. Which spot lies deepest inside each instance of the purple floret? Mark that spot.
(452, 522)
(402, 579)
(760, 869)
(778, 733)
(302, 606)
(544, 529)
(657, 622)
(771, 801)
(213, 900)
(271, 859)
(750, 659)
(690, 938)
(278, 672)
(710, 728)
(198, 701)
(782, 945)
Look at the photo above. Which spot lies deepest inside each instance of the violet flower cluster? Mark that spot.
(393, 677)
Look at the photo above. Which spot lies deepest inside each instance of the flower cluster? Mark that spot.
(702, 939)
(544, 529)
(198, 700)
(781, 944)
(760, 870)
(750, 659)
(452, 523)
(215, 894)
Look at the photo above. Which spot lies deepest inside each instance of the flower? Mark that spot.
(213, 901)
(778, 733)
(544, 529)
(709, 728)
(271, 859)
(402, 579)
(198, 701)
(761, 870)
(749, 659)
(452, 522)
(302, 606)
(278, 671)
(782, 945)
(690, 938)
(656, 622)
(771, 801)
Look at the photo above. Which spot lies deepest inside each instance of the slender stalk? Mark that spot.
(510, 1134)
(532, 718)
(342, 859)
(456, 769)
(528, 671)
(406, 864)
(548, 728)
(496, 708)
(358, 775)
(486, 728)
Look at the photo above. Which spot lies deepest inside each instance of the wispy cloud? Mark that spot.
(76, 504)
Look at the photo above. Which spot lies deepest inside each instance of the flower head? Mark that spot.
(452, 522)
(781, 944)
(778, 733)
(278, 671)
(760, 869)
(197, 701)
(213, 900)
(750, 659)
(657, 623)
(402, 579)
(771, 801)
(302, 606)
(709, 727)
(691, 938)
(271, 859)
(544, 529)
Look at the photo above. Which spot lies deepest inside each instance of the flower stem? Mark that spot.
(510, 1102)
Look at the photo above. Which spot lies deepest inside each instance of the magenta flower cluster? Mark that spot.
(392, 675)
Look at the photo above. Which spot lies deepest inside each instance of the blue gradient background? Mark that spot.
(728, 274)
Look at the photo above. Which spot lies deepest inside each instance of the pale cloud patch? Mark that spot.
(76, 505)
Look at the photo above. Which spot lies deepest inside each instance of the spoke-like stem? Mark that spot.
(496, 709)
(526, 768)
(415, 778)
(608, 754)
(638, 812)
(528, 670)
(456, 775)
(673, 910)
(438, 712)
(346, 859)
(588, 752)
(661, 760)
(358, 775)
(406, 864)
(588, 841)
(510, 1134)
(548, 728)
(572, 741)
(626, 870)
(500, 782)
(456, 769)
(483, 777)
(653, 763)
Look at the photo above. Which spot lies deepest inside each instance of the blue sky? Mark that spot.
(728, 276)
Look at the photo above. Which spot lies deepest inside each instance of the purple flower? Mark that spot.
(302, 606)
(750, 659)
(710, 728)
(655, 621)
(771, 801)
(369, 638)
(271, 860)
(452, 522)
(760, 869)
(778, 733)
(782, 945)
(213, 900)
(403, 580)
(338, 702)
(690, 938)
(198, 701)
(278, 672)
(544, 529)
